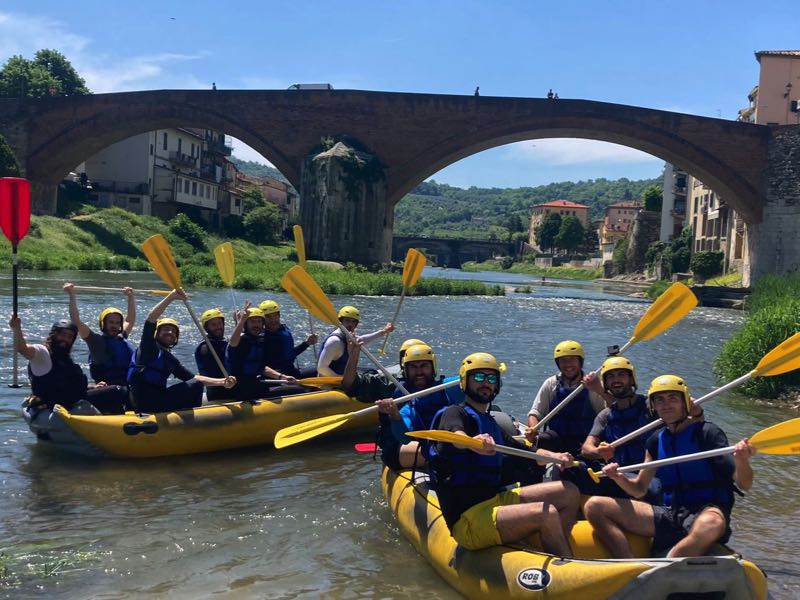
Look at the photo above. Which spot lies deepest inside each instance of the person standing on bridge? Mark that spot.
(333, 357)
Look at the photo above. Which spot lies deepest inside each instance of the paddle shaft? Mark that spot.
(205, 337)
(658, 422)
(311, 329)
(394, 318)
(563, 404)
(14, 295)
(91, 288)
(376, 362)
(403, 399)
(654, 464)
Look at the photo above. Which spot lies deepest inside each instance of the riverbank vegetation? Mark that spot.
(527, 268)
(111, 239)
(773, 314)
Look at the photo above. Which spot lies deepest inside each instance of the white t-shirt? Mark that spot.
(541, 404)
(40, 363)
(334, 349)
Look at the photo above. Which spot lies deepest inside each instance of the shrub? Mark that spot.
(233, 226)
(189, 231)
(618, 257)
(263, 225)
(707, 263)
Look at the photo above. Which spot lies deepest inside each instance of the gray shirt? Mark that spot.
(544, 398)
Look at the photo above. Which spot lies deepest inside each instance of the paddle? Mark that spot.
(159, 254)
(310, 296)
(223, 255)
(311, 429)
(310, 381)
(783, 438)
(300, 248)
(91, 288)
(367, 447)
(15, 219)
(439, 435)
(674, 304)
(412, 270)
(781, 359)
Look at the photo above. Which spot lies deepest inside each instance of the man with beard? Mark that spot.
(419, 368)
(153, 363)
(478, 510)
(55, 377)
(566, 431)
(280, 351)
(213, 321)
(333, 356)
(110, 352)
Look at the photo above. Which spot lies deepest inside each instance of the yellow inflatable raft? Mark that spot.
(205, 429)
(514, 572)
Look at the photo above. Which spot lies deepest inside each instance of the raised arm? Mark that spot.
(351, 368)
(20, 345)
(74, 315)
(159, 308)
(130, 317)
(240, 318)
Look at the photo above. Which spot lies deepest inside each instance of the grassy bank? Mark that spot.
(525, 268)
(731, 280)
(110, 239)
(773, 314)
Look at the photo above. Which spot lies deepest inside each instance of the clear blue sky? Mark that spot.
(687, 56)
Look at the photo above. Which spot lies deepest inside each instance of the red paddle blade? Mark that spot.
(371, 448)
(15, 208)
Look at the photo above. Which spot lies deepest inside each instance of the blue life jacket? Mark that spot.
(206, 365)
(423, 409)
(156, 372)
(338, 365)
(118, 353)
(574, 421)
(64, 384)
(247, 359)
(624, 421)
(465, 467)
(695, 483)
(279, 349)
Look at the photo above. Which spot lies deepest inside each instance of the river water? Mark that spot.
(310, 520)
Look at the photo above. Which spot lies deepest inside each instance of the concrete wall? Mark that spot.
(774, 96)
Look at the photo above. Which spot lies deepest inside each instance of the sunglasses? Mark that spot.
(492, 378)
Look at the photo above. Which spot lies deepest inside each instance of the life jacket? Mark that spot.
(156, 372)
(206, 365)
(465, 467)
(118, 354)
(338, 365)
(695, 483)
(64, 384)
(624, 421)
(279, 349)
(424, 408)
(247, 359)
(575, 420)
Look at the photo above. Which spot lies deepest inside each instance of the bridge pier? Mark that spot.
(343, 208)
(773, 245)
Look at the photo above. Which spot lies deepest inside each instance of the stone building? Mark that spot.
(616, 222)
(565, 208)
(280, 193)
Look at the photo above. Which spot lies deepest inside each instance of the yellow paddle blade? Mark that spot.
(301, 432)
(782, 358)
(412, 268)
(321, 381)
(302, 287)
(300, 245)
(159, 254)
(671, 307)
(783, 438)
(223, 254)
(439, 435)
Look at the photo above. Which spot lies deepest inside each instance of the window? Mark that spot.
(192, 150)
(237, 203)
(208, 191)
(151, 149)
(185, 186)
(180, 145)
(165, 140)
(194, 188)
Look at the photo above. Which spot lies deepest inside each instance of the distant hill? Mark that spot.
(441, 210)
(257, 169)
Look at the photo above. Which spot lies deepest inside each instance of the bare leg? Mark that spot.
(410, 456)
(516, 522)
(612, 517)
(561, 494)
(707, 528)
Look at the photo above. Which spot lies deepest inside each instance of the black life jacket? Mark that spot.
(206, 365)
(64, 384)
(118, 359)
(279, 350)
(338, 365)
(246, 361)
(574, 422)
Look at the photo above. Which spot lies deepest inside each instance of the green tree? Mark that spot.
(252, 199)
(263, 225)
(707, 263)
(570, 234)
(547, 231)
(618, 258)
(591, 243)
(48, 74)
(652, 199)
(8, 161)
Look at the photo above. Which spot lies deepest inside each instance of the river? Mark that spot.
(310, 520)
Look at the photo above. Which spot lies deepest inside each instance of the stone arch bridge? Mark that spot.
(410, 137)
(449, 252)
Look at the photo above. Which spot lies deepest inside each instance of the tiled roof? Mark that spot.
(760, 53)
(562, 204)
(627, 204)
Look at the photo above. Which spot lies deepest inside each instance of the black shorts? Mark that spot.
(673, 524)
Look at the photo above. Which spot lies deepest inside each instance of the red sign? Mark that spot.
(15, 208)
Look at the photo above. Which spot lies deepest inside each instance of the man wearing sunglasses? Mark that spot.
(469, 483)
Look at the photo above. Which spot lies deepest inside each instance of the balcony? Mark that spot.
(179, 158)
(220, 147)
(121, 187)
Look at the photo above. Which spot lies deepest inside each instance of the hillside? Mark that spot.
(441, 210)
(257, 169)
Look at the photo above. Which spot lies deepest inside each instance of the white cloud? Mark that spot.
(570, 151)
(23, 34)
(138, 73)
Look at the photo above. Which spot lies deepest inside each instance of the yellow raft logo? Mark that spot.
(533, 579)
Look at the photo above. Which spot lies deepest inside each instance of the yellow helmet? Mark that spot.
(350, 312)
(269, 307)
(211, 313)
(406, 345)
(109, 311)
(419, 352)
(479, 360)
(670, 383)
(167, 321)
(255, 312)
(568, 348)
(617, 362)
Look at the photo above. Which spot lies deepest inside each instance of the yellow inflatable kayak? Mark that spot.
(205, 429)
(514, 572)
